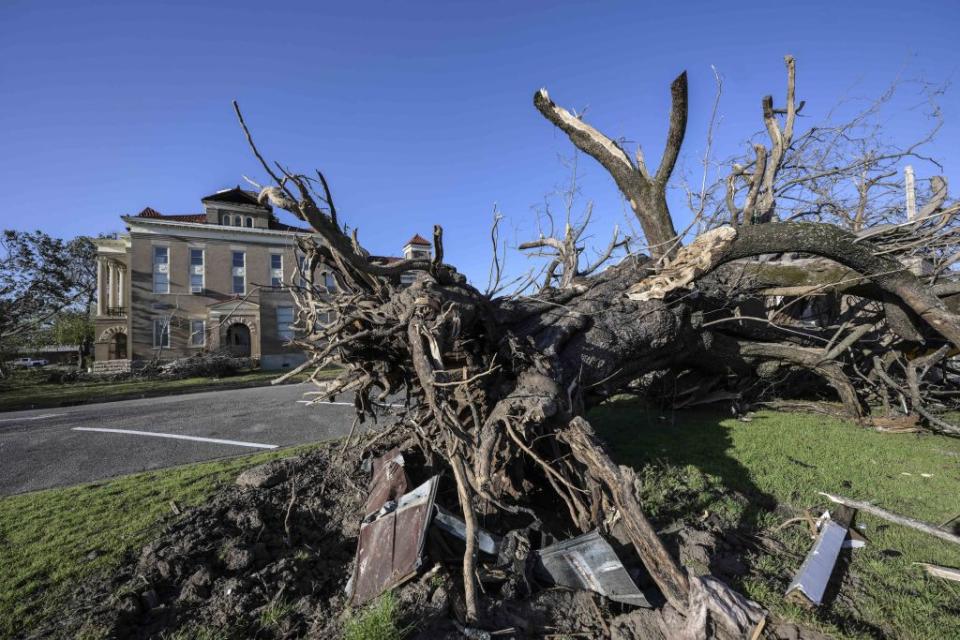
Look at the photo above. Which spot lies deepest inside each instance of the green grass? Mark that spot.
(779, 462)
(30, 391)
(377, 621)
(273, 615)
(52, 540)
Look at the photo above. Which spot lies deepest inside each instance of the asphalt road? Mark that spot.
(43, 448)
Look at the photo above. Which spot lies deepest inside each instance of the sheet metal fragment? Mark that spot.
(814, 574)
(589, 562)
(455, 526)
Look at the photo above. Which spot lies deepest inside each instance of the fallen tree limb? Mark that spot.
(919, 525)
(947, 573)
(662, 567)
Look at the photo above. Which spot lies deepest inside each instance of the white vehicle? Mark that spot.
(29, 363)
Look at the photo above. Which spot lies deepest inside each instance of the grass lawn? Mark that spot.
(686, 458)
(29, 390)
(51, 540)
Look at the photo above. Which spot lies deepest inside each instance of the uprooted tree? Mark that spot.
(496, 388)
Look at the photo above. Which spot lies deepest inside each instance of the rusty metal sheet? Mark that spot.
(589, 562)
(389, 482)
(390, 545)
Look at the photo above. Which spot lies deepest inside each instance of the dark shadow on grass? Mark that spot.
(639, 436)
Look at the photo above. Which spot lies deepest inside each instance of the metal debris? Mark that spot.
(811, 580)
(589, 562)
(451, 524)
(390, 544)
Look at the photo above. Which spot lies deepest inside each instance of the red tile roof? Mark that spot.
(150, 212)
(418, 239)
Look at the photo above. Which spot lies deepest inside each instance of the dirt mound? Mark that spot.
(267, 557)
(270, 557)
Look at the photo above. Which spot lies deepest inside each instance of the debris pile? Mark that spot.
(298, 547)
(398, 527)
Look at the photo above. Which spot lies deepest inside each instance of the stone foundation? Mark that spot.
(111, 367)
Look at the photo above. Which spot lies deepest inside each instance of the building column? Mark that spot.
(120, 279)
(110, 281)
(255, 339)
(99, 286)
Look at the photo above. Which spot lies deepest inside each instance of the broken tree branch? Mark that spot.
(893, 517)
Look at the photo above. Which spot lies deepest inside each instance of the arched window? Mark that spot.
(249, 221)
(225, 219)
(237, 221)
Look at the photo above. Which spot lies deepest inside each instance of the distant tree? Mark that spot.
(71, 327)
(41, 277)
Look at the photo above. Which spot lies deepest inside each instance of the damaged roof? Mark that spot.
(235, 195)
(201, 218)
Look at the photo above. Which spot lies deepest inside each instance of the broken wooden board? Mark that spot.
(390, 546)
(589, 562)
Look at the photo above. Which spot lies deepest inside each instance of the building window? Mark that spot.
(161, 333)
(198, 333)
(239, 272)
(161, 270)
(225, 219)
(329, 282)
(237, 221)
(276, 269)
(284, 322)
(249, 222)
(196, 270)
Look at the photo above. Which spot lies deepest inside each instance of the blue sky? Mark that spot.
(417, 112)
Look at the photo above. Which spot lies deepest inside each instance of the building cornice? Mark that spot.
(194, 230)
(112, 245)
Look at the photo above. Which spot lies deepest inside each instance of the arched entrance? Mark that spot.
(118, 347)
(238, 340)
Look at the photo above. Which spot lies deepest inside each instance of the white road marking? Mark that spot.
(254, 445)
(46, 415)
(348, 404)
